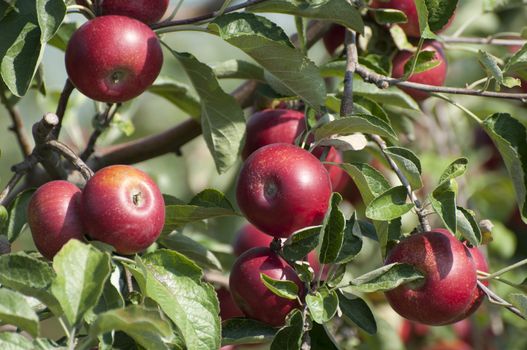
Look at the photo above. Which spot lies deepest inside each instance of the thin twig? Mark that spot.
(346, 108)
(17, 176)
(384, 82)
(61, 107)
(104, 121)
(18, 126)
(483, 41)
(496, 299)
(67, 153)
(202, 18)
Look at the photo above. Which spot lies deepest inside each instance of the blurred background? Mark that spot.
(438, 135)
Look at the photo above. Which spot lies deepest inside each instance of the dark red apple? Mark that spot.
(113, 58)
(53, 216)
(283, 188)
(285, 126)
(450, 278)
(122, 206)
(228, 308)
(411, 27)
(334, 38)
(147, 11)
(249, 237)
(252, 296)
(435, 76)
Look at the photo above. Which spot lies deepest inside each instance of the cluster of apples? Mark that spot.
(435, 76)
(116, 57)
(120, 206)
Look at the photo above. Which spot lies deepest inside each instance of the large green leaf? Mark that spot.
(370, 182)
(440, 12)
(289, 337)
(222, 119)
(25, 30)
(320, 339)
(62, 36)
(191, 249)
(467, 227)
(246, 331)
(332, 231)
(268, 45)
(15, 341)
(322, 304)
(283, 288)
(357, 311)
(390, 205)
(301, 242)
(352, 243)
(364, 123)
(174, 282)
(81, 272)
(238, 69)
(443, 200)
(177, 93)
(408, 163)
(337, 11)
(15, 310)
(385, 278)
(510, 137)
(17, 215)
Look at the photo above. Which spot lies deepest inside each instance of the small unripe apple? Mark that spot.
(54, 217)
(283, 188)
(228, 308)
(334, 38)
(449, 283)
(252, 296)
(285, 126)
(122, 206)
(411, 27)
(113, 58)
(147, 11)
(435, 76)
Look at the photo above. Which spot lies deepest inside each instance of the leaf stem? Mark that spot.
(299, 22)
(506, 269)
(461, 107)
(496, 299)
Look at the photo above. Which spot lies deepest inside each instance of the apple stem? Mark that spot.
(496, 299)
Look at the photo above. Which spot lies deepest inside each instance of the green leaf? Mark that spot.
(408, 163)
(467, 227)
(145, 326)
(370, 182)
(455, 169)
(440, 12)
(111, 297)
(364, 123)
(269, 46)
(357, 311)
(336, 11)
(178, 94)
(386, 278)
(15, 341)
(238, 69)
(389, 16)
(352, 243)
(17, 215)
(62, 36)
(320, 339)
(192, 250)
(332, 231)
(4, 217)
(246, 331)
(520, 301)
(517, 62)
(283, 288)
(289, 337)
(15, 310)
(389, 205)
(174, 283)
(301, 242)
(25, 31)
(425, 61)
(390, 96)
(422, 15)
(490, 64)
(211, 198)
(322, 304)
(222, 119)
(510, 137)
(179, 215)
(81, 273)
(443, 200)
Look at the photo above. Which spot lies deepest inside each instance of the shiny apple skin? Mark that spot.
(146, 11)
(54, 218)
(122, 206)
(435, 76)
(282, 188)
(252, 296)
(334, 38)
(450, 278)
(113, 58)
(228, 308)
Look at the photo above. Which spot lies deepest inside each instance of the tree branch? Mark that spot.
(384, 82)
(18, 126)
(483, 41)
(61, 107)
(346, 107)
(103, 119)
(67, 153)
(496, 299)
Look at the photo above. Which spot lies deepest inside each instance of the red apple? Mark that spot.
(122, 206)
(334, 38)
(285, 126)
(411, 27)
(228, 308)
(450, 278)
(113, 58)
(283, 188)
(147, 11)
(435, 76)
(252, 296)
(54, 217)
(249, 237)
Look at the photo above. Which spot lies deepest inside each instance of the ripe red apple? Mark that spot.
(285, 126)
(228, 308)
(249, 237)
(450, 278)
(122, 206)
(411, 27)
(283, 188)
(54, 217)
(113, 58)
(334, 38)
(252, 296)
(435, 76)
(147, 11)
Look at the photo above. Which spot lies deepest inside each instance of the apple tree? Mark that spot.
(340, 174)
